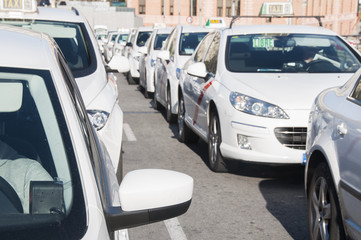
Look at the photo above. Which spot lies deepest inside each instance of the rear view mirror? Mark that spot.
(11, 96)
(119, 63)
(143, 50)
(164, 55)
(197, 69)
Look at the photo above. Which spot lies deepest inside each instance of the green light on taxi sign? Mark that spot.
(263, 43)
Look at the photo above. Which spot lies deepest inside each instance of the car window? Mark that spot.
(69, 37)
(289, 53)
(211, 57)
(142, 38)
(189, 42)
(204, 45)
(122, 38)
(37, 157)
(172, 44)
(159, 40)
(357, 91)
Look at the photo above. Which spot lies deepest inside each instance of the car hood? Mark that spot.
(288, 91)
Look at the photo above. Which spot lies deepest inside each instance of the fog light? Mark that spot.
(243, 142)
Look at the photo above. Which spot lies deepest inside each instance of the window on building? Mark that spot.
(141, 6)
(162, 8)
(219, 8)
(193, 8)
(171, 7)
(229, 8)
(238, 7)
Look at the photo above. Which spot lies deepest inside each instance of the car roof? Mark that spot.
(187, 28)
(46, 13)
(165, 30)
(255, 29)
(24, 48)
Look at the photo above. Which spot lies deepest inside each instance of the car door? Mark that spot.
(347, 135)
(194, 87)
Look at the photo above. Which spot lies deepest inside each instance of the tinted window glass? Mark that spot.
(69, 37)
(159, 39)
(122, 38)
(357, 92)
(37, 160)
(189, 42)
(289, 53)
(212, 55)
(204, 45)
(142, 38)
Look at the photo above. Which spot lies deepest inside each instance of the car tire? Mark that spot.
(130, 79)
(324, 215)
(216, 162)
(156, 104)
(185, 134)
(170, 116)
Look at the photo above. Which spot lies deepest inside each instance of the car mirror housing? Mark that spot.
(119, 63)
(150, 195)
(197, 69)
(129, 44)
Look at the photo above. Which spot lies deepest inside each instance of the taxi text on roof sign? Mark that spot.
(215, 23)
(276, 9)
(18, 5)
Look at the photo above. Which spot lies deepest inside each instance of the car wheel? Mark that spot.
(130, 79)
(216, 162)
(324, 216)
(185, 134)
(170, 116)
(146, 93)
(156, 104)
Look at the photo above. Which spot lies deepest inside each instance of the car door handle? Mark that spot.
(342, 128)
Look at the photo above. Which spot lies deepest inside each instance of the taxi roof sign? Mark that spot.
(18, 5)
(159, 25)
(276, 9)
(215, 23)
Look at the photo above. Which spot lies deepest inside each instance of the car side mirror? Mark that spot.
(129, 44)
(198, 69)
(150, 195)
(119, 63)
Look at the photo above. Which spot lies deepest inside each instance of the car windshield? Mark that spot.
(189, 42)
(142, 38)
(159, 39)
(68, 36)
(122, 38)
(36, 155)
(295, 53)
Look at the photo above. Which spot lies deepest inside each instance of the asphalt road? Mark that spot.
(256, 202)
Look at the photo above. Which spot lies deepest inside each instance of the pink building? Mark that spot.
(340, 16)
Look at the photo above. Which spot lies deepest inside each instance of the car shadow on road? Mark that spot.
(281, 186)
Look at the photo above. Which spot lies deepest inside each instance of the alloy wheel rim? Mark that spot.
(181, 117)
(214, 140)
(321, 210)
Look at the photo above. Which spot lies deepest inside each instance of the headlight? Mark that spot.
(98, 118)
(255, 106)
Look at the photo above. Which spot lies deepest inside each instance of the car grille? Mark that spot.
(292, 137)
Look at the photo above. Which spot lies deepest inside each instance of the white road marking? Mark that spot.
(175, 230)
(129, 133)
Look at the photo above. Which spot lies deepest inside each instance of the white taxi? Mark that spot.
(148, 58)
(248, 90)
(56, 178)
(181, 43)
(140, 38)
(76, 39)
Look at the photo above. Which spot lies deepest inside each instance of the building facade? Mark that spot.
(340, 16)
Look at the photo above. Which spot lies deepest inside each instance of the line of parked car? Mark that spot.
(273, 94)
(61, 135)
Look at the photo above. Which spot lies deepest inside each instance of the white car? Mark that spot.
(148, 58)
(332, 174)
(140, 38)
(109, 44)
(79, 46)
(56, 178)
(120, 42)
(247, 90)
(181, 44)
